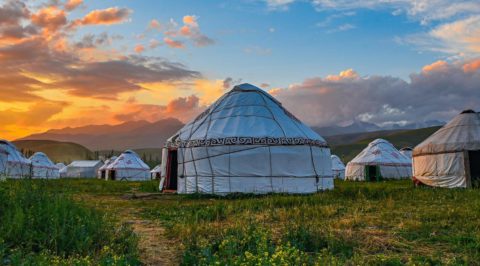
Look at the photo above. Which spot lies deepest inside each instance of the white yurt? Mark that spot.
(83, 169)
(3, 160)
(379, 160)
(407, 152)
(17, 165)
(156, 172)
(42, 167)
(338, 168)
(60, 165)
(128, 166)
(451, 156)
(246, 142)
(102, 171)
(63, 172)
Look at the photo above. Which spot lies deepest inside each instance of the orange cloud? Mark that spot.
(435, 66)
(173, 44)
(139, 48)
(471, 66)
(346, 74)
(72, 4)
(112, 15)
(190, 20)
(50, 18)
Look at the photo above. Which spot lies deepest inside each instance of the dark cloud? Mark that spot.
(12, 12)
(434, 93)
(229, 82)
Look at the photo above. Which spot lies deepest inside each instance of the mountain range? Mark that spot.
(362, 127)
(128, 135)
(148, 135)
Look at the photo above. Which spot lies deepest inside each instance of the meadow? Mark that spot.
(385, 223)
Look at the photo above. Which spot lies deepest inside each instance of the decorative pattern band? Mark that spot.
(245, 141)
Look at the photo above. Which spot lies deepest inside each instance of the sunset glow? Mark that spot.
(74, 63)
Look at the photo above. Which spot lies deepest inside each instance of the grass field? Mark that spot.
(387, 223)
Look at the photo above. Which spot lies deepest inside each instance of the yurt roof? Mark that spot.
(246, 115)
(60, 165)
(13, 154)
(157, 169)
(337, 164)
(128, 160)
(460, 134)
(85, 163)
(108, 162)
(41, 159)
(380, 152)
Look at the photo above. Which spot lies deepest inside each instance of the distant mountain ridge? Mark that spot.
(128, 135)
(362, 127)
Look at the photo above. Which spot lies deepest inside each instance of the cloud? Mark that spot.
(182, 108)
(439, 91)
(343, 27)
(35, 115)
(229, 82)
(188, 32)
(49, 18)
(72, 4)
(278, 4)
(109, 16)
(173, 44)
(139, 48)
(12, 12)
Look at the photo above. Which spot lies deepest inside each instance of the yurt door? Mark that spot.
(474, 161)
(371, 173)
(113, 175)
(172, 169)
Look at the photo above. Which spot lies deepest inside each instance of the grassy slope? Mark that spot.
(57, 151)
(387, 223)
(400, 139)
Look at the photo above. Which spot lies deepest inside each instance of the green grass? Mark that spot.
(42, 226)
(389, 223)
(385, 223)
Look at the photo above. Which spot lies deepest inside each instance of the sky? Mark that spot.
(73, 63)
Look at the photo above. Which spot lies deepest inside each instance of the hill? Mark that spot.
(355, 143)
(57, 151)
(129, 135)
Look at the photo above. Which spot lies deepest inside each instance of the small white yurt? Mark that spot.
(3, 161)
(407, 152)
(338, 168)
(60, 165)
(379, 160)
(156, 172)
(63, 172)
(451, 156)
(246, 142)
(128, 166)
(17, 165)
(42, 167)
(83, 169)
(102, 171)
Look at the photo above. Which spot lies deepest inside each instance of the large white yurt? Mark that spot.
(407, 152)
(156, 172)
(17, 165)
(338, 168)
(128, 166)
(3, 160)
(246, 142)
(102, 171)
(83, 169)
(451, 156)
(379, 160)
(42, 167)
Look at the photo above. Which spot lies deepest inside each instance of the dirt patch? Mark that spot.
(155, 247)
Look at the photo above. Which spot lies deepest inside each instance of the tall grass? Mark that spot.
(39, 226)
(386, 223)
